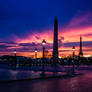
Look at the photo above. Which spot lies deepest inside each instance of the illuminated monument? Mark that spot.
(55, 42)
(80, 51)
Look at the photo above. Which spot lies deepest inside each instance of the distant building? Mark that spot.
(80, 50)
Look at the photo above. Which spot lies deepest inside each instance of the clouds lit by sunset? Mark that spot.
(25, 29)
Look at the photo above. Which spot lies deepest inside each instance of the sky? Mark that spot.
(25, 23)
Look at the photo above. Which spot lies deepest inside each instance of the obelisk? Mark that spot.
(55, 42)
(80, 51)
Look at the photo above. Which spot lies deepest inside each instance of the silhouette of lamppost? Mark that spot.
(73, 51)
(35, 56)
(73, 60)
(15, 58)
(35, 53)
(43, 43)
(15, 52)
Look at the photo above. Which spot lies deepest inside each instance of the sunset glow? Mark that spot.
(69, 34)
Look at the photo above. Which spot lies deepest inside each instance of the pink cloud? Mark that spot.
(79, 25)
(81, 20)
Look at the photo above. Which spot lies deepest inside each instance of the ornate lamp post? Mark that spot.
(73, 51)
(15, 52)
(35, 53)
(35, 56)
(43, 43)
(73, 60)
(15, 58)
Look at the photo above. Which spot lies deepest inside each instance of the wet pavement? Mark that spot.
(80, 83)
(77, 83)
(11, 75)
(21, 73)
(32, 73)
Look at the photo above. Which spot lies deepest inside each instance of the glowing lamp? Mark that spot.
(43, 42)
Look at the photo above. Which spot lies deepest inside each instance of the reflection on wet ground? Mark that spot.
(81, 83)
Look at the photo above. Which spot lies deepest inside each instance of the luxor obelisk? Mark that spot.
(55, 42)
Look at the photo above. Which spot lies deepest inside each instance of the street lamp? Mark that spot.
(43, 43)
(35, 53)
(15, 52)
(73, 59)
(35, 56)
(15, 60)
(73, 51)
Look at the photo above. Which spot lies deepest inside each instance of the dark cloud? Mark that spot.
(7, 42)
(70, 44)
(30, 47)
(64, 50)
(89, 35)
(85, 44)
(37, 37)
(4, 46)
(33, 44)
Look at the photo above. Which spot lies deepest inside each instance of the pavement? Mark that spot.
(26, 80)
(29, 73)
(80, 83)
(26, 73)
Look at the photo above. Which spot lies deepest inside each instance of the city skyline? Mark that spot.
(23, 26)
